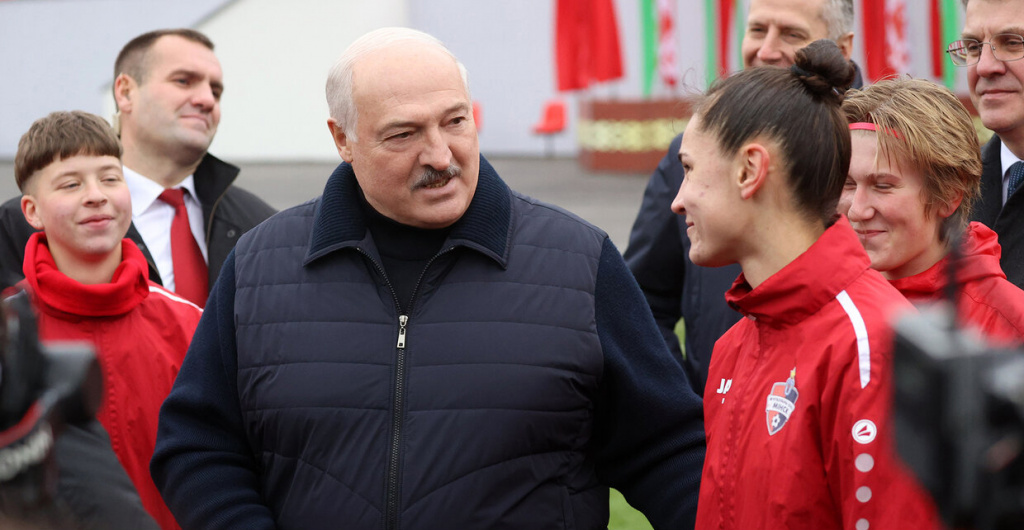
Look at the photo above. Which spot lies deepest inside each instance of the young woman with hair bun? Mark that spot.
(798, 430)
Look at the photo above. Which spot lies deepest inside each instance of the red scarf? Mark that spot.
(55, 290)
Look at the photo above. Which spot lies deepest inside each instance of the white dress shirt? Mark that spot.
(153, 217)
(1006, 159)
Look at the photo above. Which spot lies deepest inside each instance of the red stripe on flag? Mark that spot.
(937, 46)
(605, 54)
(570, 31)
(873, 17)
(724, 23)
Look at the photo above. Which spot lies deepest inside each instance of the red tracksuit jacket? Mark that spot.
(987, 301)
(141, 333)
(798, 429)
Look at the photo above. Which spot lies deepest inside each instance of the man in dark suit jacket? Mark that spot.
(995, 77)
(167, 86)
(658, 251)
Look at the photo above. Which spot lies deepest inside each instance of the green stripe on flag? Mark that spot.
(740, 29)
(649, 27)
(951, 26)
(710, 41)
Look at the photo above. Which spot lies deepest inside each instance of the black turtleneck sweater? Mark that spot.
(404, 250)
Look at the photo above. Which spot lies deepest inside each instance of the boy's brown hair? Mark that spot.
(62, 135)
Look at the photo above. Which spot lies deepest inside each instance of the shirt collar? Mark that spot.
(1007, 159)
(145, 191)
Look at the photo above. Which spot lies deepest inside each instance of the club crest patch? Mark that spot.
(781, 403)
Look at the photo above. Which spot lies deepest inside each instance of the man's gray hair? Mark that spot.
(339, 79)
(838, 16)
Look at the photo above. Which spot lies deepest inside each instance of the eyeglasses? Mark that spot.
(1005, 47)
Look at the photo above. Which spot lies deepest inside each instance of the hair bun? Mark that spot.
(823, 69)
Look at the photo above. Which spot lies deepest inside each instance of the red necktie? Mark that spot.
(190, 273)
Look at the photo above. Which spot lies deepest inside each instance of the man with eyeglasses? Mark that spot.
(991, 48)
(657, 253)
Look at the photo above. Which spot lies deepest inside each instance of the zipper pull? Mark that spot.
(402, 321)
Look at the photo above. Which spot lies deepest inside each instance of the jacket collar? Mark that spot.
(990, 200)
(213, 177)
(807, 283)
(858, 78)
(979, 262)
(486, 227)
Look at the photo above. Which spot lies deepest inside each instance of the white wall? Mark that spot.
(59, 55)
(275, 57)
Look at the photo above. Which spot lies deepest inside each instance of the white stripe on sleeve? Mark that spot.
(861, 331)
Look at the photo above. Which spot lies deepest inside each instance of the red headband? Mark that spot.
(868, 126)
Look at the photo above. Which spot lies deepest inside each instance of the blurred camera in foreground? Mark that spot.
(960, 419)
(41, 390)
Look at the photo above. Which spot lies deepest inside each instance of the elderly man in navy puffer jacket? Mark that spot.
(421, 347)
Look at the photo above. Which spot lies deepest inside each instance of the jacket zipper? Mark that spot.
(213, 211)
(398, 397)
(391, 506)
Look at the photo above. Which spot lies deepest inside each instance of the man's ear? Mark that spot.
(846, 45)
(123, 87)
(341, 140)
(30, 210)
(753, 160)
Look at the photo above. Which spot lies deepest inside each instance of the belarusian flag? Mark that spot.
(885, 38)
(724, 26)
(659, 44)
(945, 28)
(667, 67)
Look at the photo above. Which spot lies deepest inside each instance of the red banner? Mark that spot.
(586, 43)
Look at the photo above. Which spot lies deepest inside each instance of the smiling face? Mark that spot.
(708, 199)
(84, 206)
(174, 110)
(776, 29)
(997, 87)
(417, 157)
(886, 203)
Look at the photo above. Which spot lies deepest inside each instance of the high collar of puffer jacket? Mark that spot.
(486, 226)
(979, 260)
(806, 284)
(57, 294)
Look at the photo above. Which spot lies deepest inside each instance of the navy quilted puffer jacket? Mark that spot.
(526, 377)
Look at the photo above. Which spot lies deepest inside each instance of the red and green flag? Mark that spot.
(885, 38)
(659, 44)
(724, 23)
(945, 28)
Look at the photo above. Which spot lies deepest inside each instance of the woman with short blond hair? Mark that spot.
(915, 173)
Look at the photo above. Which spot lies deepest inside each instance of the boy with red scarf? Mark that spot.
(90, 283)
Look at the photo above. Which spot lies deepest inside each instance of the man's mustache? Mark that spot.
(432, 176)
